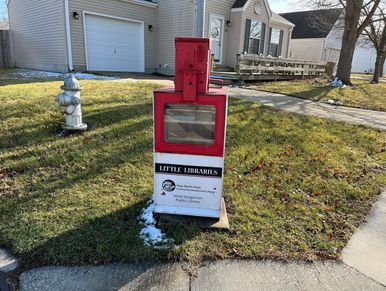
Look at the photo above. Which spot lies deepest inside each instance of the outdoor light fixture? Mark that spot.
(229, 22)
(75, 15)
(151, 28)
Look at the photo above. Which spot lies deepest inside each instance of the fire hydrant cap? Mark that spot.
(71, 83)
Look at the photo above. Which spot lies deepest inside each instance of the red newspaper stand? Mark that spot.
(189, 133)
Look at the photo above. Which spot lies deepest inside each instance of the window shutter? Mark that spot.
(262, 40)
(247, 34)
(269, 42)
(280, 43)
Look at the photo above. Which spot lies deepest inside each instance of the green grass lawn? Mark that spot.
(296, 187)
(361, 95)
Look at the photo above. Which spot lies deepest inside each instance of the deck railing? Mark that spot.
(251, 66)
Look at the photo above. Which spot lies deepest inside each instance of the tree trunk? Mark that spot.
(378, 68)
(346, 57)
(349, 40)
(381, 71)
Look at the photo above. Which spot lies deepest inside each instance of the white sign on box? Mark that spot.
(188, 184)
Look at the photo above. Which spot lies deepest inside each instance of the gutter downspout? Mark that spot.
(68, 35)
(200, 18)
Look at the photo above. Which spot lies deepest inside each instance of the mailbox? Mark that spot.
(189, 136)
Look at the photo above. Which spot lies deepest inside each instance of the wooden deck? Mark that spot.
(260, 68)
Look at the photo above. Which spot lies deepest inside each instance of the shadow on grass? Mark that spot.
(43, 132)
(112, 239)
(315, 94)
(122, 137)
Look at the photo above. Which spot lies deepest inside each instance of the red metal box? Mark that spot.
(196, 128)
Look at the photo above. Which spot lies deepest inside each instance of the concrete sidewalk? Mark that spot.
(222, 276)
(366, 251)
(376, 119)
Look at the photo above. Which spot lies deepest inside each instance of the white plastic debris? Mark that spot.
(151, 235)
(333, 102)
(336, 83)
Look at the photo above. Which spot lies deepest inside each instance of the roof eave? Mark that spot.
(241, 9)
(139, 2)
(282, 22)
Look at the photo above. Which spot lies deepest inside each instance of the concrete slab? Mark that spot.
(266, 275)
(221, 275)
(109, 277)
(202, 222)
(376, 119)
(366, 251)
(7, 262)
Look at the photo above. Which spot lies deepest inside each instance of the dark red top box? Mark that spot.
(192, 66)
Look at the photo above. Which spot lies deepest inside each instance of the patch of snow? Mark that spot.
(30, 74)
(35, 74)
(86, 76)
(151, 235)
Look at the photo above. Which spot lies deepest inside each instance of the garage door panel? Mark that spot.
(103, 53)
(109, 45)
(114, 62)
(113, 44)
(135, 31)
(112, 39)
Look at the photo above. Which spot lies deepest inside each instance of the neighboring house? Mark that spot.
(318, 36)
(314, 34)
(138, 35)
(364, 59)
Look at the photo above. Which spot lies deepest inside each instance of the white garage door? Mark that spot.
(113, 44)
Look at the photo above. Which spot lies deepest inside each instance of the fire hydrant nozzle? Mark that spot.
(71, 102)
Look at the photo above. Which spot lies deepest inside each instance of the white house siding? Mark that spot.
(39, 34)
(238, 23)
(286, 37)
(364, 59)
(222, 8)
(175, 18)
(114, 8)
(307, 49)
(334, 38)
(250, 13)
(235, 38)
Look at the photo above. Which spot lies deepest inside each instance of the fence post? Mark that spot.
(238, 60)
(5, 49)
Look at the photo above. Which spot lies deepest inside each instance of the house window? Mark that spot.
(254, 37)
(276, 41)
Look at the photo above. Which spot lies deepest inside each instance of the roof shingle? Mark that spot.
(239, 3)
(314, 23)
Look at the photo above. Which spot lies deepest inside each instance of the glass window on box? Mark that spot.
(190, 124)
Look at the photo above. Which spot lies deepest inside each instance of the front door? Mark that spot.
(216, 34)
